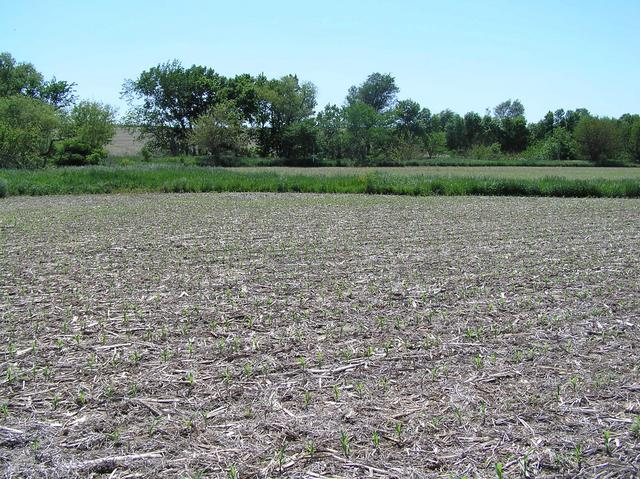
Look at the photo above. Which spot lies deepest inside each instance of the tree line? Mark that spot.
(195, 110)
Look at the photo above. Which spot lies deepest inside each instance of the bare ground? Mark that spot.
(268, 335)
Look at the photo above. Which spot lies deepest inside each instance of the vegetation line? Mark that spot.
(196, 179)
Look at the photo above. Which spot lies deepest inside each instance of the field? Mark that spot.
(293, 335)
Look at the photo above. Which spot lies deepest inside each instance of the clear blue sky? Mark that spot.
(464, 55)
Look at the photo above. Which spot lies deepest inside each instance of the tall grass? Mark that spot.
(177, 179)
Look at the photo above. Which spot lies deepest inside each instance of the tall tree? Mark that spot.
(23, 79)
(379, 91)
(282, 103)
(410, 119)
(473, 130)
(508, 109)
(167, 99)
(598, 139)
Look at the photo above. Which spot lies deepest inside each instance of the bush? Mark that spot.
(407, 150)
(558, 146)
(482, 152)
(73, 152)
(146, 153)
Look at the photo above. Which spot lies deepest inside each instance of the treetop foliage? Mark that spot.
(40, 120)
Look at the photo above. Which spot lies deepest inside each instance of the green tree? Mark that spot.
(598, 139)
(166, 100)
(473, 129)
(378, 91)
(23, 79)
(410, 119)
(544, 127)
(219, 131)
(368, 131)
(300, 143)
(514, 134)
(282, 103)
(331, 132)
(435, 143)
(508, 109)
(633, 140)
(559, 145)
(91, 123)
(27, 129)
(455, 134)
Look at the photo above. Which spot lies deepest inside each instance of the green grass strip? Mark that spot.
(180, 179)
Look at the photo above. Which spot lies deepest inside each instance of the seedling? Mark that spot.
(398, 430)
(233, 472)
(336, 392)
(81, 399)
(375, 439)
(302, 362)
(135, 357)
(281, 455)
(310, 448)
(607, 441)
(499, 470)
(345, 443)
(477, 361)
(306, 400)
(577, 453)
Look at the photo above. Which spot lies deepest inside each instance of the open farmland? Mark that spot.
(268, 335)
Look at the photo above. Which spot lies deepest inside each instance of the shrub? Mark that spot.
(146, 153)
(558, 146)
(407, 150)
(74, 152)
(482, 152)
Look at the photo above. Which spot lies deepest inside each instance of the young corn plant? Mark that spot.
(233, 473)
(607, 441)
(375, 439)
(345, 445)
(282, 455)
(311, 448)
(306, 399)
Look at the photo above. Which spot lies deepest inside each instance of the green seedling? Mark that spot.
(345, 443)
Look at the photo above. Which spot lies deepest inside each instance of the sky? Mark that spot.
(462, 55)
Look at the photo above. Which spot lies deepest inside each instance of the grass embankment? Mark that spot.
(175, 179)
